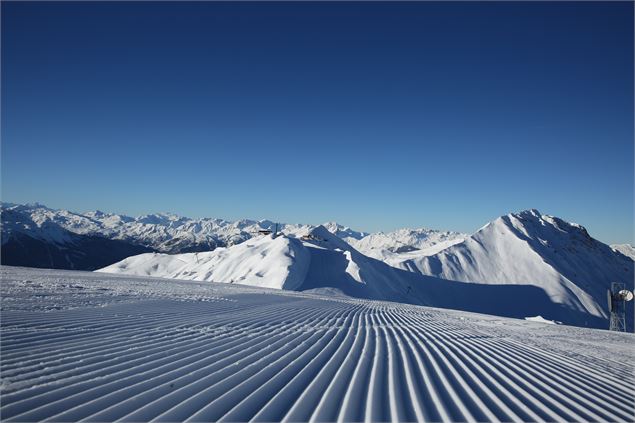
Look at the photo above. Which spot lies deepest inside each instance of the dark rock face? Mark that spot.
(80, 252)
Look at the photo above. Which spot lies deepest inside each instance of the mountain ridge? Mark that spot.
(321, 262)
(531, 248)
(159, 232)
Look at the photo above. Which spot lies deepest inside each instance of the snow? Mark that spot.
(352, 268)
(397, 246)
(281, 262)
(540, 319)
(164, 232)
(570, 270)
(264, 262)
(625, 249)
(529, 248)
(322, 261)
(102, 347)
(344, 232)
(170, 233)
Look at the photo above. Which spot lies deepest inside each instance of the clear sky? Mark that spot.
(376, 115)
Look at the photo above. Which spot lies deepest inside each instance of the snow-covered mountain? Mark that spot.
(396, 246)
(347, 234)
(37, 236)
(321, 262)
(559, 261)
(530, 248)
(316, 260)
(39, 228)
(163, 232)
(32, 241)
(625, 249)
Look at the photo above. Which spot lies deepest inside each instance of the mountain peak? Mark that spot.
(530, 248)
(96, 213)
(37, 205)
(321, 231)
(528, 213)
(342, 231)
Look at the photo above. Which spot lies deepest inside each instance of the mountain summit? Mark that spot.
(531, 248)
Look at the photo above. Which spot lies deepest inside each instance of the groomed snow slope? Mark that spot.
(97, 347)
(327, 263)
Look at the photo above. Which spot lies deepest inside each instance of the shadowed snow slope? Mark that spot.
(539, 250)
(323, 262)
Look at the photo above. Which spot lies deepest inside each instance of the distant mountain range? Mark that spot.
(536, 264)
(36, 236)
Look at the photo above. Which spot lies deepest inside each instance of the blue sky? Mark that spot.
(376, 115)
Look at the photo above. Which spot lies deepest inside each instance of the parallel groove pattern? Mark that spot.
(291, 358)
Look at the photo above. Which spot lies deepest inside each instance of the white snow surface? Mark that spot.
(540, 319)
(344, 232)
(530, 248)
(264, 261)
(323, 261)
(164, 232)
(100, 347)
(282, 262)
(397, 246)
(625, 249)
(527, 249)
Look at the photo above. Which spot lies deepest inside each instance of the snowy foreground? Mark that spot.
(100, 347)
